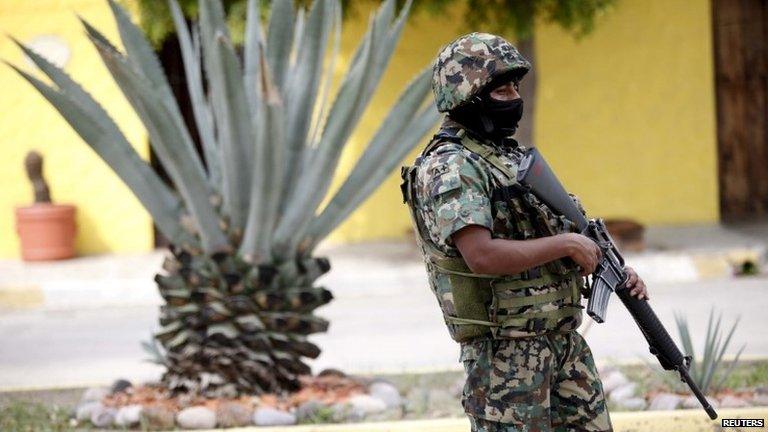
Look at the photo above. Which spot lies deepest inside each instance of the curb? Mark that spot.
(693, 420)
(692, 266)
(66, 294)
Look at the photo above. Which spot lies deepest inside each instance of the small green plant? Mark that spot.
(19, 416)
(708, 371)
(155, 350)
(324, 414)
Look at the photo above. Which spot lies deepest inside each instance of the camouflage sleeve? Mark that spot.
(455, 189)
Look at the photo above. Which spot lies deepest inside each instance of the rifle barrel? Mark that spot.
(696, 392)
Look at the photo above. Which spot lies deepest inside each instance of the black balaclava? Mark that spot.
(488, 117)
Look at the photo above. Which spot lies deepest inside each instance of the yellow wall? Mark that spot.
(109, 216)
(635, 98)
(627, 115)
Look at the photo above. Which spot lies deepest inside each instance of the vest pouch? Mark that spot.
(471, 295)
(471, 299)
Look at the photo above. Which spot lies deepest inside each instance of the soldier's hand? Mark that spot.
(582, 250)
(636, 284)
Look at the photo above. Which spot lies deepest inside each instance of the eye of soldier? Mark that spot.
(505, 91)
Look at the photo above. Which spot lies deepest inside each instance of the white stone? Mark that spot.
(198, 417)
(366, 404)
(665, 402)
(457, 388)
(633, 404)
(343, 412)
(387, 393)
(103, 417)
(623, 392)
(129, 415)
(85, 410)
(94, 394)
(733, 402)
(692, 403)
(268, 416)
(308, 410)
(613, 380)
(605, 369)
(760, 399)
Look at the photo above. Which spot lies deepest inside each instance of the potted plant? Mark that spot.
(46, 230)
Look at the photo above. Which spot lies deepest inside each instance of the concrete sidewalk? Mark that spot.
(683, 254)
(91, 313)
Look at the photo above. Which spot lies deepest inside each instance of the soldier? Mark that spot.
(507, 272)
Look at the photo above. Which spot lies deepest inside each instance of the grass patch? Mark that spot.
(20, 416)
(746, 375)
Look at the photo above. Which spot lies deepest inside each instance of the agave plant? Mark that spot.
(710, 365)
(246, 216)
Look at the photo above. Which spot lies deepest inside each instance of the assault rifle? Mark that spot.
(609, 277)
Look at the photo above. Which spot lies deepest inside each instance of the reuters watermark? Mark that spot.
(742, 423)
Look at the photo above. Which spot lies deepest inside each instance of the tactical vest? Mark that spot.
(538, 301)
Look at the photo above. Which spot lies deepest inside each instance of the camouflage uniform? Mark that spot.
(521, 376)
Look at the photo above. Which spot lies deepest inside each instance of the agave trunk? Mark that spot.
(230, 327)
(239, 283)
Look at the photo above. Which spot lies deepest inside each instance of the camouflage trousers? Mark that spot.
(543, 383)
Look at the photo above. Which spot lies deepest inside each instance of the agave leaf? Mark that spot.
(275, 127)
(329, 73)
(385, 41)
(99, 131)
(730, 369)
(280, 39)
(252, 52)
(301, 91)
(142, 57)
(155, 350)
(168, 141)
(241, 140)
(383, 47)
(186, 144)
(309, 191)
(190, 52)
(727, 340)
(710, 351)
(269, 162)
(719, 350)
(685, 337)
(399, 133)
(384, 17)
(140, 53)
(422, 124)
(298, 37)
(231, 111)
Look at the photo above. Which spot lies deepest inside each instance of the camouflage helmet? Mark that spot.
(468, 64)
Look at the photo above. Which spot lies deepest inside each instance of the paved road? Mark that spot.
(389, 323)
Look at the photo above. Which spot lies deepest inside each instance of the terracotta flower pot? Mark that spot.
(47, 231)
